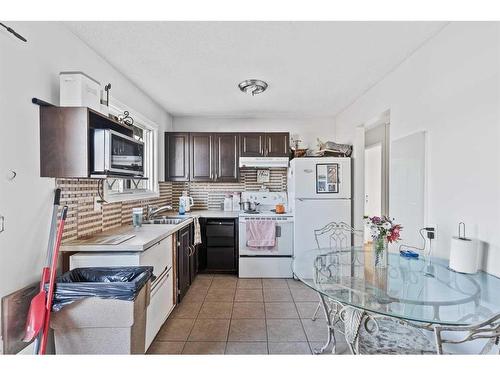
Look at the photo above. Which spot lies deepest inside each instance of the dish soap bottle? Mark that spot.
(182, 207)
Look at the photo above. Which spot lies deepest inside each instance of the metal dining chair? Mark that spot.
(383, 335)
(367, 334)
(364, 334)
(488, 330)
(338, 236)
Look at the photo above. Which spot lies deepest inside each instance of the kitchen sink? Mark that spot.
(172, 220)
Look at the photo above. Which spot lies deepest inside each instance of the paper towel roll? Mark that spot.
(463, 255)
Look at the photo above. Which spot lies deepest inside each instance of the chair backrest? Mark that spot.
(337, 234)
(489, 329)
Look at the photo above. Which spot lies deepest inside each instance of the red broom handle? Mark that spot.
(53, 271)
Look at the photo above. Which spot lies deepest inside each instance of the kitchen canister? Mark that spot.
(463, 253)
(137, 217)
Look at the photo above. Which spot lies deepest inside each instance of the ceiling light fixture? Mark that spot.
(253, 86)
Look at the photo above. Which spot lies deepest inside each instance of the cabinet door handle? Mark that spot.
(192, 250)
(2, 224)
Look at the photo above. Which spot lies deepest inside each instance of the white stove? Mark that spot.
(267, 203)
(266, 262)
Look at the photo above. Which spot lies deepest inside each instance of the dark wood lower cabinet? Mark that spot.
(219, 251)
(187, 260)
(183, 279)
(193, 257)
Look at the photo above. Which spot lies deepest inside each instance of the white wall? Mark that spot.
(449, 88)
(308, 128)
(32, 70)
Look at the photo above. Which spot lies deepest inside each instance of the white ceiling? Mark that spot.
(312, 68)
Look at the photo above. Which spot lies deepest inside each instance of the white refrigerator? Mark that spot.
(319, 192)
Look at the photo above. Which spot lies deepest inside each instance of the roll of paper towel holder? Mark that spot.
(463, 252)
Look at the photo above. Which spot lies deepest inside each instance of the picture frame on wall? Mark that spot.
(327, 178)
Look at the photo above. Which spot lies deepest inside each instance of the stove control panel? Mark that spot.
(264, 198)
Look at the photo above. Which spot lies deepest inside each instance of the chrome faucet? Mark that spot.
(153, 211)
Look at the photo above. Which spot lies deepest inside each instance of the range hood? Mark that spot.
(263, 162)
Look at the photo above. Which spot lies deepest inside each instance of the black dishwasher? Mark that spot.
(220, 245)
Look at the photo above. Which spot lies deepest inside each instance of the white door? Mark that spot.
(311, 214)
(322, 178)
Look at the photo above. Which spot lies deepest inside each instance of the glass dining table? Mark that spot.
(419, 291)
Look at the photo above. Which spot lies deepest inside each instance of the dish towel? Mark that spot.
(261, 233)
(197, 231)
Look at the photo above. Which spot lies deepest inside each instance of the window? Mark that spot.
(118, 189)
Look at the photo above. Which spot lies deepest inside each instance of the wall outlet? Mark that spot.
(435, 231)
(97, 204)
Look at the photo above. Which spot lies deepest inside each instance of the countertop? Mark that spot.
(210, 213)
(145, 236)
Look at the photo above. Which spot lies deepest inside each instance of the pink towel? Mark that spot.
(261, 233)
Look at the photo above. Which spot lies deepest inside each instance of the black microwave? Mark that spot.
(114, 153)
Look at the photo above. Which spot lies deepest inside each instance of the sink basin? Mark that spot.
(172, 220)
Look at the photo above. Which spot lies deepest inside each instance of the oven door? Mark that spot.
(125, 154)
(284, 238)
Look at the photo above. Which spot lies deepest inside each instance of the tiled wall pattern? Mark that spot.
(208, 195)
(82, 220)
(79, 196)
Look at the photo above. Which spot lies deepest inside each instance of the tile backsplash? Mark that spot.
(79, 196)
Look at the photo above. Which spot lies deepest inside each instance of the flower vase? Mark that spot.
(380, 252)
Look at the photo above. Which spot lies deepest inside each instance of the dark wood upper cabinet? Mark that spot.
(277, 144)
(201, 160)
(176, 156)
(214, 157)
(252, 144)
(65, 137)
(226, 157)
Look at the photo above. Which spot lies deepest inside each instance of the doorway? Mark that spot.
(376, 171)
(373, 182)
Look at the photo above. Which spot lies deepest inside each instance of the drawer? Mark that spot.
(101, 259)
(160, 305)
(220, 241)
(159, 256)
(220, 229)
(221, 258)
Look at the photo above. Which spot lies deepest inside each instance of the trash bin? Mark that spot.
(101, 310)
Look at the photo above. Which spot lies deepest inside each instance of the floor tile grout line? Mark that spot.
(196, 319)
(231, 318)
(265, 318)
(303, 328)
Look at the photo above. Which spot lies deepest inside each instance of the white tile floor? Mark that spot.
(225, 315)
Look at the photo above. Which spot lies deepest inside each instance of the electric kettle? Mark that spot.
(186, 201)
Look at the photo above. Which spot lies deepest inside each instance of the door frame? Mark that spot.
(379, 134)
(358, 156)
